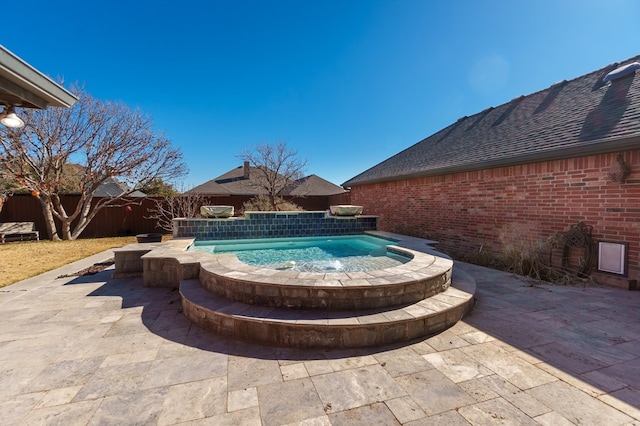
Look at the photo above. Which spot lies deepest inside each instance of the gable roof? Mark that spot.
(209, 188)
(112, 187)
(236, 182)
(232, 182)
(314, 185)
(578, 117)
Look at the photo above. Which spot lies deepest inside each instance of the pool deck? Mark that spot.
(330, 309)
(93, 350)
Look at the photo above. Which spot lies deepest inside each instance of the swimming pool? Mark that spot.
(351, 253)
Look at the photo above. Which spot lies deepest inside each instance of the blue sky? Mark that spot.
(346, 83)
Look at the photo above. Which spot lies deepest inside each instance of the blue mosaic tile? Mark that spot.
(272, 225)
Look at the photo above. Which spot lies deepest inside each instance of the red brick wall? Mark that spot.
(472, 210)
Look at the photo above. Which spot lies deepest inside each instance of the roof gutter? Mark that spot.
(600, 146)
(25, 82)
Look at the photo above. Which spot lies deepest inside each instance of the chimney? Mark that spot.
(246, 170)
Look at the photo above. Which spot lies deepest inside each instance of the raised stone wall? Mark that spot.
(273, 225)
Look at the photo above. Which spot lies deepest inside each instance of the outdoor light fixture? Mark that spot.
(9, 118)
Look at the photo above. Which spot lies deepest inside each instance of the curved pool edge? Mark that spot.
(170, 265)
(424, 275)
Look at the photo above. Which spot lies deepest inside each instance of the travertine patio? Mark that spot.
(97, 350)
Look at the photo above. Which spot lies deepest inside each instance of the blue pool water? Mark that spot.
(349, 253)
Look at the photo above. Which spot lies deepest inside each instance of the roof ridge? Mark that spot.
(545, 122)
(604, 70)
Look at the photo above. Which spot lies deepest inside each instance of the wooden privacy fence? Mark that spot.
(120, 220)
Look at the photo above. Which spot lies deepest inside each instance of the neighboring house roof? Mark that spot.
(245, 180)
(314, 185)
(583, 116)
(210, 188)
(113, 188)
(233, 182)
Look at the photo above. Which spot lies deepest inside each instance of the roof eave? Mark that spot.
(24, 81)
(594, 148)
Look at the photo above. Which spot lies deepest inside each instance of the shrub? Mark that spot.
(262, 203)
(524, 254)
(168, 208)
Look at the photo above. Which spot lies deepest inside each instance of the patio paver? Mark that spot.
(97, 350)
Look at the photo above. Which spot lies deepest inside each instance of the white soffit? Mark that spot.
(24, 86)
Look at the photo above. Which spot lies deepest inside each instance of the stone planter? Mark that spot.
(216, 211)
(345, 210)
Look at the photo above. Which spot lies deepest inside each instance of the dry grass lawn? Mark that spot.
(21, 260)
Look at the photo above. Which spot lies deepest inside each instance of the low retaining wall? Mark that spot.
(273, 225)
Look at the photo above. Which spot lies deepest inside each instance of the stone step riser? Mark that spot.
(324, 297)
(325, 329)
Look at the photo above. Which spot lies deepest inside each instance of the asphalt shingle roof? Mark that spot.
(111, 187)
(314, 185)
(577, 117)
(234, 183)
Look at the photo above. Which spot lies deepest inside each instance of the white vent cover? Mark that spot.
(621, 71)
(612, 257)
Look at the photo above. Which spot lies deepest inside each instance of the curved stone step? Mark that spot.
(423, 276)
(328, 329)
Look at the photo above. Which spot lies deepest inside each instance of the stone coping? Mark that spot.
(173, 245)
(129, 259)
(274, 214)
(421, 277)
(423, 260)
(425, 274)
(420, 266)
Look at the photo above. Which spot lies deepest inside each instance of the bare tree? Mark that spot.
(170, 207)
(99, 141)
(7, 187)
(279, 169)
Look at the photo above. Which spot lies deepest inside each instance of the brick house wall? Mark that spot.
(485, 209)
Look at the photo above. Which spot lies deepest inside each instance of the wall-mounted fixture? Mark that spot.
(612, 257)
(619, 170)
(9, 118)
